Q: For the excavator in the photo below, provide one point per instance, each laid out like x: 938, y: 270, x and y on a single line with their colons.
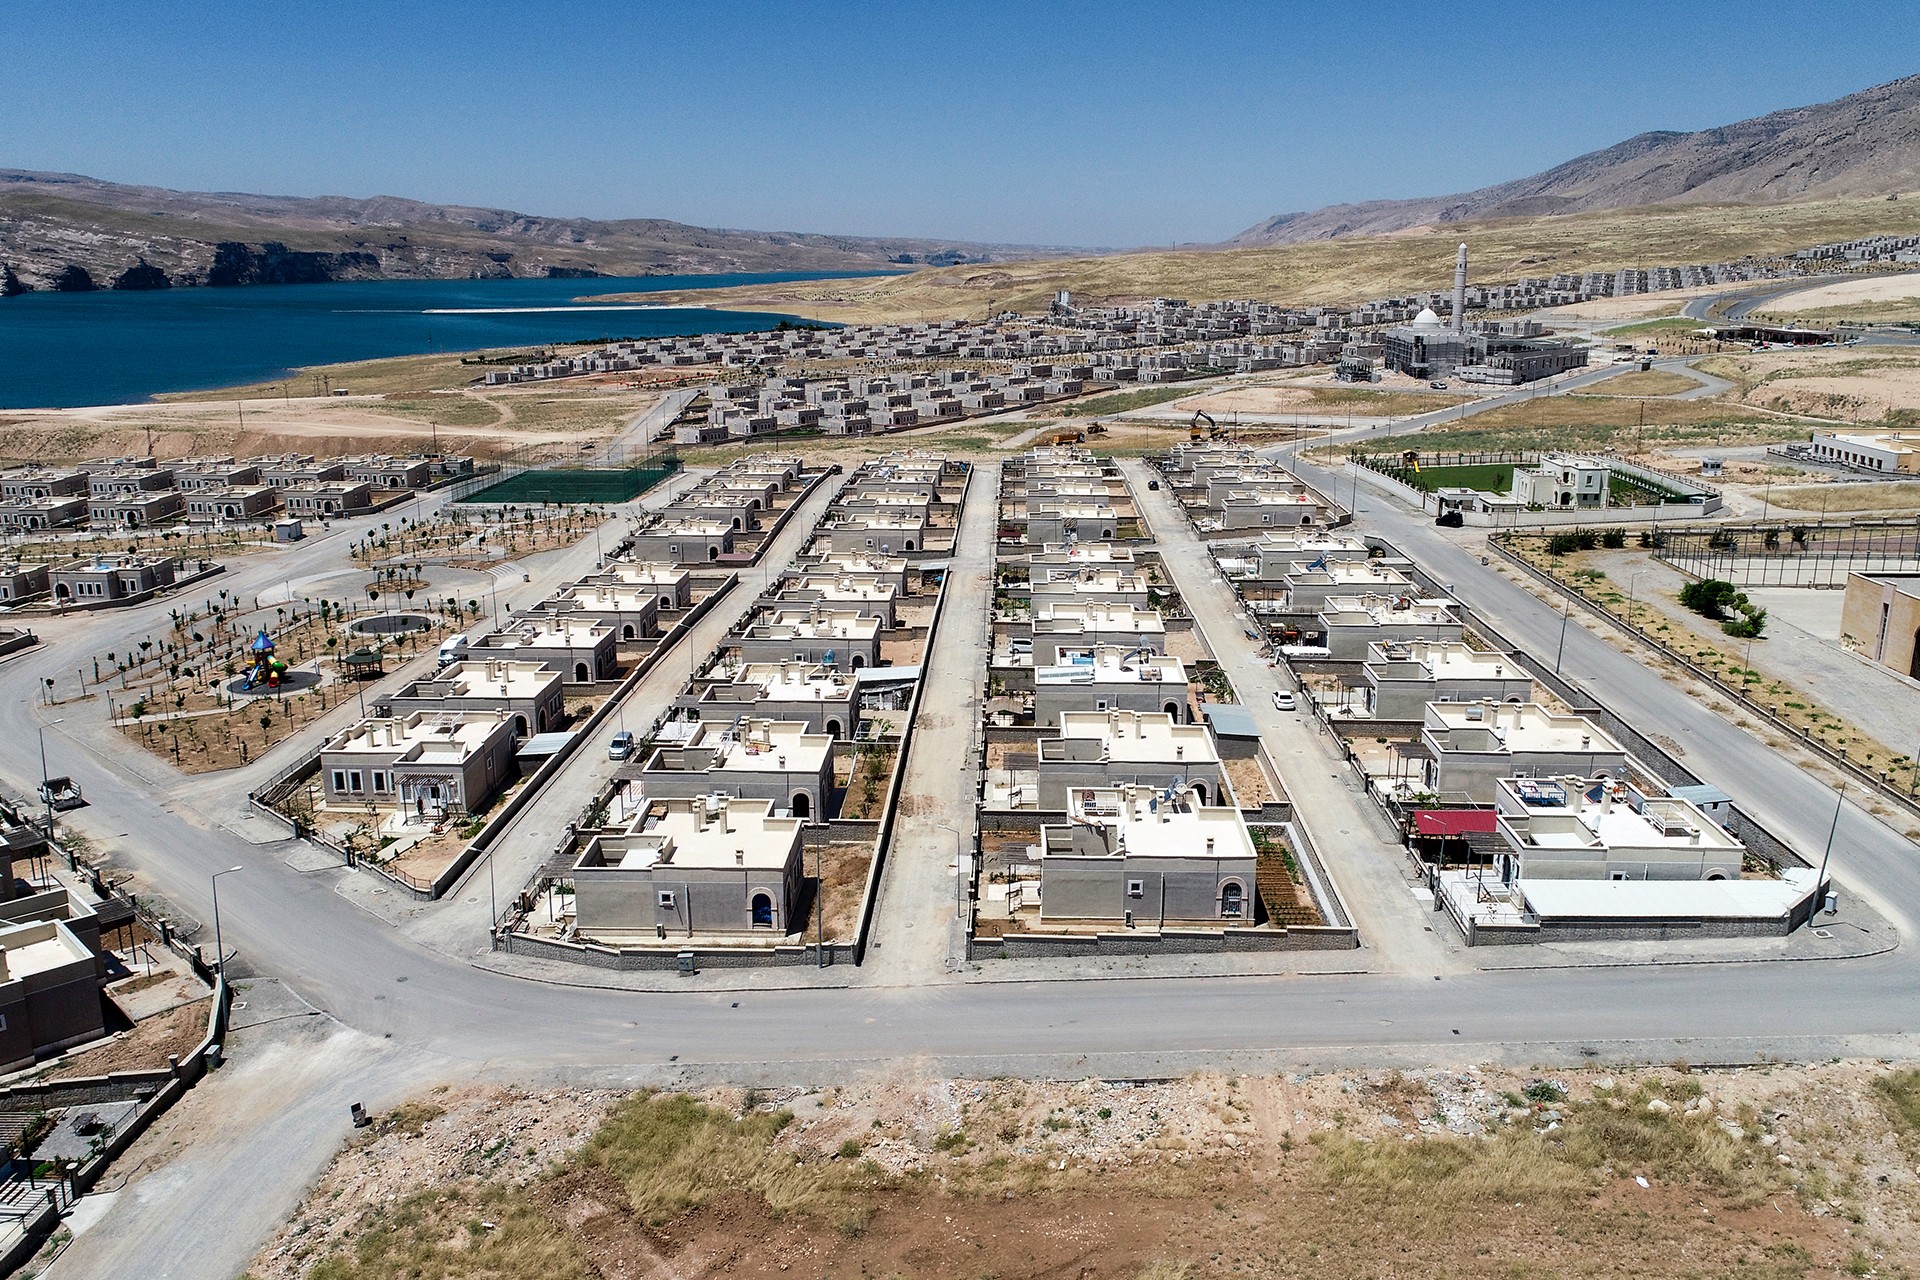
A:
x: 1213, y: 432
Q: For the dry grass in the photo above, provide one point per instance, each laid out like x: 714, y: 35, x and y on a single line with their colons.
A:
x: 1334, y: 270
x: 1894, y: 496
x: 1648, y: 382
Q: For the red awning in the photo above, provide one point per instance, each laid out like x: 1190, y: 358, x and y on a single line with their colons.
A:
x: 1453, y: 822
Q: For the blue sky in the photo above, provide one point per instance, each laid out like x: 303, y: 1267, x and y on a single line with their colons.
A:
x: 1115, y: 124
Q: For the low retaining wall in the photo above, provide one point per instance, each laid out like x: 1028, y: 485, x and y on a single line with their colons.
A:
x: 665, y: 958
x: 1135, y: 942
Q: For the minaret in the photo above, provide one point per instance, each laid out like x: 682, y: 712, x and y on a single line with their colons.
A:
x: 1460, y: 291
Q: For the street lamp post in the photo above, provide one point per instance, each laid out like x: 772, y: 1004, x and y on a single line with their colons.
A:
x: 46, y: 792
x: 1820, y: 880
x: 219, y: 949
x: 1565, y: 608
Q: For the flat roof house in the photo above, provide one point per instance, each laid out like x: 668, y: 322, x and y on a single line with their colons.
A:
x: 671, y: 584
x: 378, y: 471
x: 776, y: 760
x: 1142, y: 856
x: 23, y: 582
x: 582, y: 651
x: 886, y: 533
x: 527, y: 693
x: 863, y: 593
x: 231, y: 502
x: 292, y: 470
x: 683, y: 541
x: 633, y: 612
x: 1403, y: 676
x: 43, y: 513
x: 49, y: 992
x: 845, y: 639
x: 425, y: 765
x: 1059, y: 627
x: 692, y: 865
x: 1110, y: 585
x: 111, y: 579
x: 825, y: 700
x: 1352, y: 623
x: 326, y: 498
x: 1052, y: 520
x: 134, y: 508
x: 1146, y: 748
x: 1109, y: 677
x: 1310, y: 585
x: 1275, y: 554
x: 1471, y: 746
x: 1576, y: 828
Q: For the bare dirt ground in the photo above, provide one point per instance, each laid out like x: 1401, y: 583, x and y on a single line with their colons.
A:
x: 1762, y: 1172
x: 146, y: 1045
x: 1850, y: 294
x: 551, y: 418
x: 1858, y: 384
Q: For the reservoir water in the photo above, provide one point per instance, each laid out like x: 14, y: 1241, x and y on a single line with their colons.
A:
x: 62, y: 349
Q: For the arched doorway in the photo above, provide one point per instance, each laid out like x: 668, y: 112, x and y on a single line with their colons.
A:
x: 1173, y: 711
x: 802, y: 806
x: 736, y: 524
x: 520, y: 726
x: 1232, y: 899
x: 833, y: 728
x: 1200, y: 792
x: 909, y: 544
x: 580, y: 673
x: 713, y: 553
x: 761, y: 910
x: 626, y: 631
x: 61, y: 591
x: 858, y: 662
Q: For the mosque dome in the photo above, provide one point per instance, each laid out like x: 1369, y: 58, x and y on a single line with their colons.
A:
x: 1427, y: 317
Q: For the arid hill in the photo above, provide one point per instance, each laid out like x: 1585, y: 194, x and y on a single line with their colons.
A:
x: 1865, y: 144
x: 65, y: 231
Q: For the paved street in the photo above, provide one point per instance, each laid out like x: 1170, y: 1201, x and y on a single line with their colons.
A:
x: 918, y: 932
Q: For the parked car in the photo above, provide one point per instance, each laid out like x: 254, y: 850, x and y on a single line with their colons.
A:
x: 621, y: 747
x: 1282, y: 700
x: 1153, y: 484
x: 1438, y: 385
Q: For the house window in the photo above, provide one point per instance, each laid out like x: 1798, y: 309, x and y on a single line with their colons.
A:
x: 666, y: 900
x: 1136, y: 888
x: 353, y: 781
x: 339, y: 780
x: 379, y: 780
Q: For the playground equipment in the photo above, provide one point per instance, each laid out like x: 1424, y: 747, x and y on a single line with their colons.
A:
x: 267, y: 669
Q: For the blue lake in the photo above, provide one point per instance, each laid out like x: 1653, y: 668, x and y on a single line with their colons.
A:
x: 62, y: 349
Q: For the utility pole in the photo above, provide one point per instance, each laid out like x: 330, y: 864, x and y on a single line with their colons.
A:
x: 1840, y: 803
x: 1566, y: 607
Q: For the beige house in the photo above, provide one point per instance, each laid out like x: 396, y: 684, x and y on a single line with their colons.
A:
x: 1880, y: 619
x: 688, y: 866
x: 424, y: 765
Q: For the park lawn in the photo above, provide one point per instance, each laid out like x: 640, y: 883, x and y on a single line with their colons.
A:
x: 1490, y: 477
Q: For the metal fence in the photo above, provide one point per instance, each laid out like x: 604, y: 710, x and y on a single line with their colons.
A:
x: 1790, y: 553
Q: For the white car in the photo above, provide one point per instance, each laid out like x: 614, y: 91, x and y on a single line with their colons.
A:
x: 1282, y: 700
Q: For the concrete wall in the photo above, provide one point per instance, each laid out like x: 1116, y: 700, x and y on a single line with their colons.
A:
x: 1096, y: 888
